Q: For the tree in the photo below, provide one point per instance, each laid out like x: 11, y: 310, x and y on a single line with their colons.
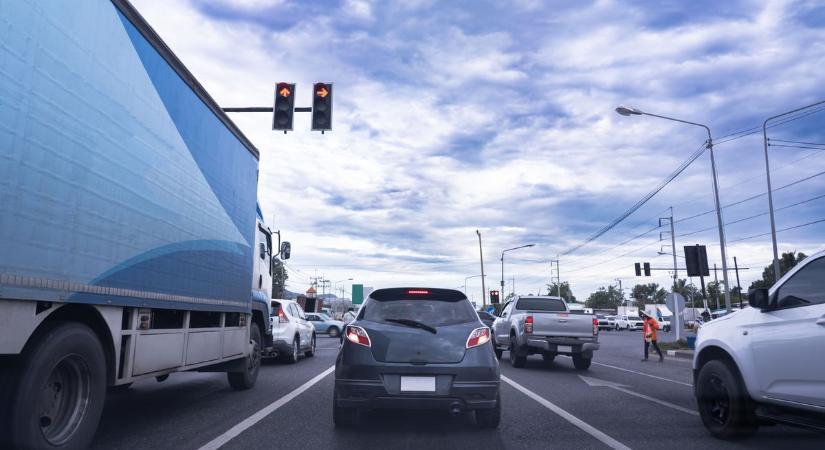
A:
x: 279, y: 277
x: 786, y: 262
x: 609, y: 298
x: 566, y: 293
x: 715, y: 294
x: 649, y: 293
x: 690, y: 292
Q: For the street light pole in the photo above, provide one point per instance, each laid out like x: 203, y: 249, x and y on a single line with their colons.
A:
x: 481, y: 259
x: 627, y: 111
x: 465, y: 282
x: 502, y: 262
x: 777, y: 272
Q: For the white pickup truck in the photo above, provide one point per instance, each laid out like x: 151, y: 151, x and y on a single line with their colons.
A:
x: 766, y: 364
x: 545, y: 325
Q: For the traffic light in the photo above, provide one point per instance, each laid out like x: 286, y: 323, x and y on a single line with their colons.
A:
x: 638, y: 268
x: 494, y: 297
x: 284, y: 106
x: 647, y: 269
x: 322, y: 106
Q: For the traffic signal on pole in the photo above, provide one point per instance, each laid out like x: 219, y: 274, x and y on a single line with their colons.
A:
x: 638, y: 268
x: 284, y: 106
x: 322, y: 106
x: 494, y: 297
x: 647, y: 269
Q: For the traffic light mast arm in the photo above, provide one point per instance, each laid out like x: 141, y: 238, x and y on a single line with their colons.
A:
x: 268, y: 109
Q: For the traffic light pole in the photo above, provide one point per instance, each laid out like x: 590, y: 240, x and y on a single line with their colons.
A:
x: 483, y: 286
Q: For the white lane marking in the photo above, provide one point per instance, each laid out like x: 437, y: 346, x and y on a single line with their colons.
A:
x: 260, y: 415
x: 584, y: 426
x: 595, y: 382
x: 644, y: 374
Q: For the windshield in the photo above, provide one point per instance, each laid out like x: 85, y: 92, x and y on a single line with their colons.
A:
x: 600, y: 316
x: 634, y: 318
x: 430, y: 312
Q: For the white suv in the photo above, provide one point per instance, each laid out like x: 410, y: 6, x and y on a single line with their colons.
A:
x: 292, y: 334
x: 766, y: 363
x: 629, y: 323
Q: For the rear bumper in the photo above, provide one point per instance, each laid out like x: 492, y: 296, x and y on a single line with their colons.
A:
x: 385, y: 394
x: 552, y: 344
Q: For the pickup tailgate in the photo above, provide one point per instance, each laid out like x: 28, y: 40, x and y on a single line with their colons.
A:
x: 561, y: 324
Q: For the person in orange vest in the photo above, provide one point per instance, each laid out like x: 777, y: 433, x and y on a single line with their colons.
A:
x: 649, y: 331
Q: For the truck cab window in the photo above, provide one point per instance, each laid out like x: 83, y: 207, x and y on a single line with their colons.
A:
x: 804, y: 288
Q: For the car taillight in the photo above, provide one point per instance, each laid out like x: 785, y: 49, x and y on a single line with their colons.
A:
x: 528, y: 324
x: 358, y: 335
x: 595, y: 326
x: 418, y: 292
x: 282, y: 318
x: 478, y: 337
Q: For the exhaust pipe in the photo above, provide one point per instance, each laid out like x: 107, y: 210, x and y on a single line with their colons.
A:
x: 455, y: 408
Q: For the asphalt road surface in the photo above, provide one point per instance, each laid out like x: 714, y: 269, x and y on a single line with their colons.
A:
x: 621, y: 402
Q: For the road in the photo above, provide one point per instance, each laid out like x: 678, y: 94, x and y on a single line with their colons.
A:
x: 621, y: 402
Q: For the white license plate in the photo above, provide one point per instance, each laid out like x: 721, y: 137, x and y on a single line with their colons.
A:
x: 417, y: 384
x: 564, y: 348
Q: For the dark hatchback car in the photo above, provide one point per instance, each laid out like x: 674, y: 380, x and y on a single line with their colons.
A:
x: 417, y: 348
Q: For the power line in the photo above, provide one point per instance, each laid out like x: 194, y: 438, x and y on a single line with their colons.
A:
x: 779, y: 231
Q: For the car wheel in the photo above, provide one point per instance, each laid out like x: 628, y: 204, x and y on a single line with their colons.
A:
x: 489, y: 418
x: 517, y: 358
x: 60, y: 390
x: 548, y: 357
x: 581, y: 363
x: 333, y: 332
x: 246, y: 379
x: 311, y: 352
x: 496, y: 349
x: 723, y: 404
x: 292, y: 357
x: 343, y: 417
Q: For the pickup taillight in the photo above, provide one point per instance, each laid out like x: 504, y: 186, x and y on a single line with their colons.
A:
x: 528, y: 324
x: 282, y: 318
x: 595, y: 326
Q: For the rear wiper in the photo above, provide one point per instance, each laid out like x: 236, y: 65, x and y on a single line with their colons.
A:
x: 414, y: 324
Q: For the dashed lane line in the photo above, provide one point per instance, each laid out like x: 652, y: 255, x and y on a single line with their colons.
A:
x: 642, y: 373
x: 584, y: 426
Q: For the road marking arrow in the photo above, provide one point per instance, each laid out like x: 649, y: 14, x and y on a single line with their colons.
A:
x: 595, y: 382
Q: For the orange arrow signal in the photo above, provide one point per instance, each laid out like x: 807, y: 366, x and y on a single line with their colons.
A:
x: 322, y: 92
x: 284, y: 92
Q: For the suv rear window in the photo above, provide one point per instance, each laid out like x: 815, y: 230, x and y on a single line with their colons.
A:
x: 541, y: 304
x: 432, y: 312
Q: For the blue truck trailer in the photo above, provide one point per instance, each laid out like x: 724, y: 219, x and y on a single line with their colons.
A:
x: 130, y: 242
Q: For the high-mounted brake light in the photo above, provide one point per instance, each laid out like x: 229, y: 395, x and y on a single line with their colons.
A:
x: 528, y: 324
x: 418, y: 292
x: 595, y: 326
x: 282, y: 318
x: 479, y: 336
x: 358, y: 335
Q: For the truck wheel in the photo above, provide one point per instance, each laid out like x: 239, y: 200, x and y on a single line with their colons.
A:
x: 723, y: 403
x: 292, y: 357
x: 517, y: 358
x: 245, y: 380
x: 496, y: 348
x: 581, y: 363
x: 311, y: 352
x: 61, y: 390
x: 343, y: 417
x: 489, y: 418
x: 333, y: 332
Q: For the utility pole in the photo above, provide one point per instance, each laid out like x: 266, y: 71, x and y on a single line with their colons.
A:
x: 675, y: 271
x: 558, y: 275
x: 738, y: 286
x: 481, y: 259
x: 716, y: 280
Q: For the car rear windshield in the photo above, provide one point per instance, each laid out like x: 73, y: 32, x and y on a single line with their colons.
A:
x: 634, y: 318
x: 429, y: 311
x: 541, y: 304
x: 600, y: 316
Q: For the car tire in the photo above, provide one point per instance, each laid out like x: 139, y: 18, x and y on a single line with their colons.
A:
x: 343, y: 417
x: 581, y: 363
x: 333, y: 332
x: 517, y: 357
x: 489, y: 418
x: 724, y: 406
x: 498, y: 351
x: 548, y: 357
x: 68, y: 364
x: 292, y: 357
x: 311, y: 352
x: 241, y: 381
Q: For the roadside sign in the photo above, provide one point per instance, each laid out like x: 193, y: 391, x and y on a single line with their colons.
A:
x: 676, y: 304
x: 696, y: 261
x: 491, y: 309
x: 357, y: 294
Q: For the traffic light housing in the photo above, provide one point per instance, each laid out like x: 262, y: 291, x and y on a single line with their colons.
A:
x: 284, y: 107
x: 638, y: 268
x: 647, y: 269
x: 322, y: 107
x: 494, y: 298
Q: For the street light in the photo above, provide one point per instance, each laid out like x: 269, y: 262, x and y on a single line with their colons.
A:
x: 628, y: 111
x: 502, y: 262
x: 465, y: 282
x: 776, y: 270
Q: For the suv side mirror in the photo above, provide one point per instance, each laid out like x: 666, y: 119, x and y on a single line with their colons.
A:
x: 286, y: 249
x: 758, y: 298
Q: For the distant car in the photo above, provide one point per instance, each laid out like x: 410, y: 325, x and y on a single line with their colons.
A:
x: 417, y: 348
x: 292, y: 334
x: 611, y: 320
x: 486, y: 318
x: 605, y: 322
x: 629, y: 323
x: 664, y: 324
x: 324, y: 324
x: 765, y: 364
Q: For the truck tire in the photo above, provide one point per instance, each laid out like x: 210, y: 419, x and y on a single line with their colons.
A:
x: 518, y: 358
x: 61, y: 390
x: 489, y: 418
x: 241, y: 381
x: 723, y: 402
x: 498, y: 351
x: 343, y: 417
x: 292, y: 357
x: 311, y: 352
x: 581, y: 363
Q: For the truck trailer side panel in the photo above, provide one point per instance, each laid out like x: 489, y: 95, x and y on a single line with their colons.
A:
x: 121, y: 182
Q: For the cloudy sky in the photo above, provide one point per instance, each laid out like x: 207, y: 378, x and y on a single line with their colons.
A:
x: 454, y: 116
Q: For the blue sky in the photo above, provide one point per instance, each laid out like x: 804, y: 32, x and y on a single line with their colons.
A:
x: 498, y: 116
